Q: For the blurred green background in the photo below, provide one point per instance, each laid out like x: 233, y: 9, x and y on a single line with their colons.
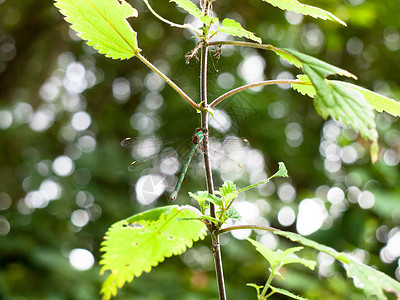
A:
x: 64, y: 178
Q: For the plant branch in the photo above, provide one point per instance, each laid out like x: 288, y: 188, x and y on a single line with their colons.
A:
x: 216, y: 248
x: 169, y: 81
x: 252, y: 85
x: 185, y: 26
x: 244, y: 44
x: 237, y: 227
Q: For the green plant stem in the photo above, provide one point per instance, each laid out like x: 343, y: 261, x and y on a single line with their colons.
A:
x: 270, y: 294
x: 169, y: 81
x: 267, y: 284
x: 254, y: 185
x: 249, y: 86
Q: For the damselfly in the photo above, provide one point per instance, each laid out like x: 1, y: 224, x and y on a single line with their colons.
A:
x: 149, y: 148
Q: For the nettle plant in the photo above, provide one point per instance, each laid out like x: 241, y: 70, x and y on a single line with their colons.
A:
x: 136, y: 244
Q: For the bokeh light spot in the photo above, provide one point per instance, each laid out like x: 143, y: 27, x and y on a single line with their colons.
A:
x: 81, y: 120
x: 81, y: 259
x: 286, y: 216
x: 63, y: 166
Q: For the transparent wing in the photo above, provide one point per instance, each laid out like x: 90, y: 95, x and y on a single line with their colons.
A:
x: 148, y: 142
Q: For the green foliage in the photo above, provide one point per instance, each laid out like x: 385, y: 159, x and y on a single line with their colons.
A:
x: 233, y: 214
x: 228, y: 191
x: 135, y: 245
x: 287, y: 56
x: 341, y: 103
x: 296, y: 6
x: 378, y: 102
x: 234, y: 28
x: 286, y: 293
x: 373, y: 282
x: 138, y: 243
x: 282, y: 171
x: 222, y: 199
x: 277, y: 259
x: 103, y: 24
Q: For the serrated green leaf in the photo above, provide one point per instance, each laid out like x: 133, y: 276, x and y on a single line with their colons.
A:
x: 308, y: 10
x: 201, y: 198
x: 339, y: 102
x: 287, y: 56
x: 282, y: 171
x: 227, y: 188
x: 305, y: 86
x: 233, y: 214
x: 307, y: 242
x: 286, y: 293
x: 322, y: 68
x: 378, y: 102
x: 190, y: 7
x: 234, y: 28
x: 136, y: 244
x: 373, y: 281
x: 103, y: 24
x: 269, y: 255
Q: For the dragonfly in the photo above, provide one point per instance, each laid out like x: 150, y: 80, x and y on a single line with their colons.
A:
x: 152, y: 144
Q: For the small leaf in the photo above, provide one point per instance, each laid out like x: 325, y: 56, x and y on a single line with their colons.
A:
x: 269, y: 255
x: 136, y: 244
x: 201, y: 198
x: 215, y: 200
x: 227, y: 188
x: 339, y: 102
x: 233, y: 214
x: 296, y: 6
x: 374, y: 150
x: 286, y: 293
x: 282, y: 171
x: 234, y: 28
x: 103, y: 24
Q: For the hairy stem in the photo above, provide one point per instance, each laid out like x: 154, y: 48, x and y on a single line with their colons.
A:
x: 185, y: 26
x: 216, y: 249
x: 249, y: 86
x: 237, y: 227
x: 243, y: 44
x: 169, y: 81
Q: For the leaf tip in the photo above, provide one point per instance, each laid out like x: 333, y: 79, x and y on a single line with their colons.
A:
x: 374, y: 150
